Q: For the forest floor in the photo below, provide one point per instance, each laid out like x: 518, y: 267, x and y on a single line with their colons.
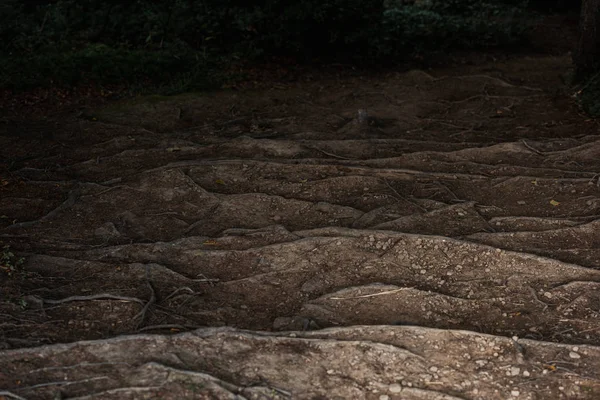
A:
x: 428, y: 234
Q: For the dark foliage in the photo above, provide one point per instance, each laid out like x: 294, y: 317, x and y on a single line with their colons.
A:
x: 185, y: 41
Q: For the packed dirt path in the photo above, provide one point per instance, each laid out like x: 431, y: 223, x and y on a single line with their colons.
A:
x: 418, y: 235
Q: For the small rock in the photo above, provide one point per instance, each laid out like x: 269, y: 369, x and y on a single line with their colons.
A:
x: 574, y: 355
x: 107, y: 231
x: 384, y: 397
x: 526, y: 374
x: 395, y: 388
x: 515, y: 393
x: 514, y: 371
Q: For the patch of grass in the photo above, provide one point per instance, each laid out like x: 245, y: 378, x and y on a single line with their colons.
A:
x: 10, y: 264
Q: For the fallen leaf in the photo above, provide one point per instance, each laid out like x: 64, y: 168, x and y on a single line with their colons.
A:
x: 220, y: 182
x: 554, y: 203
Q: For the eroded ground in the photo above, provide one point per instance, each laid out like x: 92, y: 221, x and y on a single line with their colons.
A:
x: 443, y: 225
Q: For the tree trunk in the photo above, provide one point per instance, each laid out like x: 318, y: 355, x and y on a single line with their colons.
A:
x: 587, y: 53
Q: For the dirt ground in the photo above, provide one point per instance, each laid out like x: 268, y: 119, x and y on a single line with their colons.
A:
x: 427, y: 234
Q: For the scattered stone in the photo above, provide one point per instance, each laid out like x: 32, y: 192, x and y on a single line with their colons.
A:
x: 395, y: 388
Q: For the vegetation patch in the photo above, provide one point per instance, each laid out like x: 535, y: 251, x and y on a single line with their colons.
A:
x: 186, y: 45
x: 10, y: 264
x: 589, y: 95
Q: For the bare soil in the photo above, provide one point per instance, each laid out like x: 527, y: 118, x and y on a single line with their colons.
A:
x: 416, y: 235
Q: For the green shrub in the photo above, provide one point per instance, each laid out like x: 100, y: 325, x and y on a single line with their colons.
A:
x: 437, y: 25
x: 108, y: 41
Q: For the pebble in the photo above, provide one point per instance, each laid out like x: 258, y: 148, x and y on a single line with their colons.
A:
x: 574, y: 355
x: 395, y: 388
x: 384, y: 397
x: 515, y: 393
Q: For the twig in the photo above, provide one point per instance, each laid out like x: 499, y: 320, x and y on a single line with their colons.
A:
x: 125, y: 390
x: 77, y: 366
x: 181, y: 289
x: 491, y: 78
x: 64, y: 383
x: 207, y: 280
x: 44, y: 21
x: 329, y: 154
x: 11, y: 395
x: 106, y: 190
x: 404, y: 198
x: 168, y: 326
x: 141, y: 316
x: 541, y: 153
x: 371, y: 295
x: 447, y: 189
x: 535, y: 296
x: 103, y: 296
x: 264, y: 383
